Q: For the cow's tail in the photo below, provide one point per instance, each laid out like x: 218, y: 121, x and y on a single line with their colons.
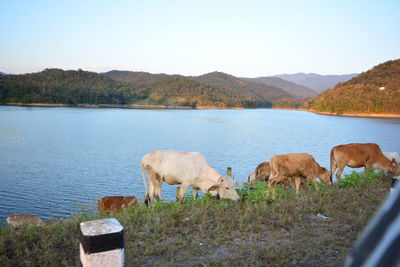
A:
x: 333, y: 163
x: 146, y: 196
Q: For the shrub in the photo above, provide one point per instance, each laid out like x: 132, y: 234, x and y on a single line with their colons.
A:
x: 258, y: 192
x: 356, y: 178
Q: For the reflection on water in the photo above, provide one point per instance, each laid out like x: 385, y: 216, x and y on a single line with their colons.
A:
x: 54, y: 160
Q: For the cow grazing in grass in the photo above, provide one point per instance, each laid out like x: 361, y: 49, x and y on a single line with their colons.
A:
x: 293, y: 167
x: 189, y: 169
x: 261, y: 173
x: 114, y: 204
x: 356, y: 155
x: 393, y: 155
x: 24, y: 219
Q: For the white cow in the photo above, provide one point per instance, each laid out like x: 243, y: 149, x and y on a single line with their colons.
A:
x: 189, y: 169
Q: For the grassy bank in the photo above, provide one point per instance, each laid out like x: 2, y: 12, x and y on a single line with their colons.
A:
x: 274, y: 228
x: 346, y: 114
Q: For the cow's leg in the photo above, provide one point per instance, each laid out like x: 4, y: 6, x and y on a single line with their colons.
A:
x: 313, y: 180
x: 158, y: 185
x: 297, y: 183
x: 277, y: 179
x: 195, y: 192
x: 158, y: 192
x: 289, y: 182
x: 333, y: 167
x: 339, y: 172
x: 272, y: 176
x: 154, y: 185
x: 184, y: 188
x: 151, y: 193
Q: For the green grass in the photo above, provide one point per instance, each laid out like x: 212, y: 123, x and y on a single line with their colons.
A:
x: 266, y: 227
x: 356, y: 178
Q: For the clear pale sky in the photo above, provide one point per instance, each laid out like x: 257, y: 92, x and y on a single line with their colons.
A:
x: 243, y: 38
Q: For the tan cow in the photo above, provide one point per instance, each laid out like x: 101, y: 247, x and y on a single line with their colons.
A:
x: 189, y: 169
x: 261, y: 173
x: 356, y: 155
x: 293, y: 167
x: 114, y: 204
x: 24, y: 219
x: 393, y: 155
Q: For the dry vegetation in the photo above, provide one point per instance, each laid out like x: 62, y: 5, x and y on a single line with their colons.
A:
x: 376, y: 91
x: 265, y: 228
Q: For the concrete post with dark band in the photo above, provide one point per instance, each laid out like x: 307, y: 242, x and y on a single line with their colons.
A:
x: 102, y: 243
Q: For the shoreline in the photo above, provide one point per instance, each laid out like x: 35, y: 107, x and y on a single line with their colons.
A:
x: 138, y: 106
x: 348, y: 114
x: 133, y: 106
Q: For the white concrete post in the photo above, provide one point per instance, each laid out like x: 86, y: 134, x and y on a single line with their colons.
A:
x: 102, y: 243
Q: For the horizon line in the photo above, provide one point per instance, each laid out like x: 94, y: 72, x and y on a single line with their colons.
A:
x: 171, y: 74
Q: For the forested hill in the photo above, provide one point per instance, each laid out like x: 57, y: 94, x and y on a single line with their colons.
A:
x: 374, y: 91
x: 186, y: 92
x: 59, y: 86
x: 83, y: 87
x: 140, y: 78
x: 264, y: 94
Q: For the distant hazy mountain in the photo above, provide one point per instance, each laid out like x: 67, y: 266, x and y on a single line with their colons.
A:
x: 141, y: 78
x: 292, y: 88
x: 2, y: 73
x: 264, y: 94
x: 374, y: 91
x: 317, y: 82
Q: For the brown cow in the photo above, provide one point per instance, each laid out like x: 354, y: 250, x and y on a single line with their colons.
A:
x: 114, y: 204
x: 24, y: 219
x: 261, y: 173
x: 293, y: 167
x: 355, y: 155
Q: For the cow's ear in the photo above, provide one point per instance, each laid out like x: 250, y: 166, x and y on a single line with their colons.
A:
x: 213, y: 187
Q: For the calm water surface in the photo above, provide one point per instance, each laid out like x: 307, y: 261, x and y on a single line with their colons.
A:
x: 54, y: 160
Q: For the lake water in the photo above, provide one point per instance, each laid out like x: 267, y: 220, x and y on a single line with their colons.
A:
x: 54, y: 160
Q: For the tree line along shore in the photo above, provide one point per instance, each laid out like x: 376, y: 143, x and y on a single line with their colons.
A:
x: 376, y: 91
x: 136, y: 106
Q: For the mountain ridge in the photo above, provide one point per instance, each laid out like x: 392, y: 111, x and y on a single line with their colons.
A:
x: 83, y: 87
x: 316, y: 82
x: 136, y: 77
x: 211, y: 89
x: 292, y: 88
x: 264, y: 94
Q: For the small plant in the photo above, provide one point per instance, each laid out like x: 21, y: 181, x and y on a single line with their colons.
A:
x: 360, y: 178
x: 258, y: 192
